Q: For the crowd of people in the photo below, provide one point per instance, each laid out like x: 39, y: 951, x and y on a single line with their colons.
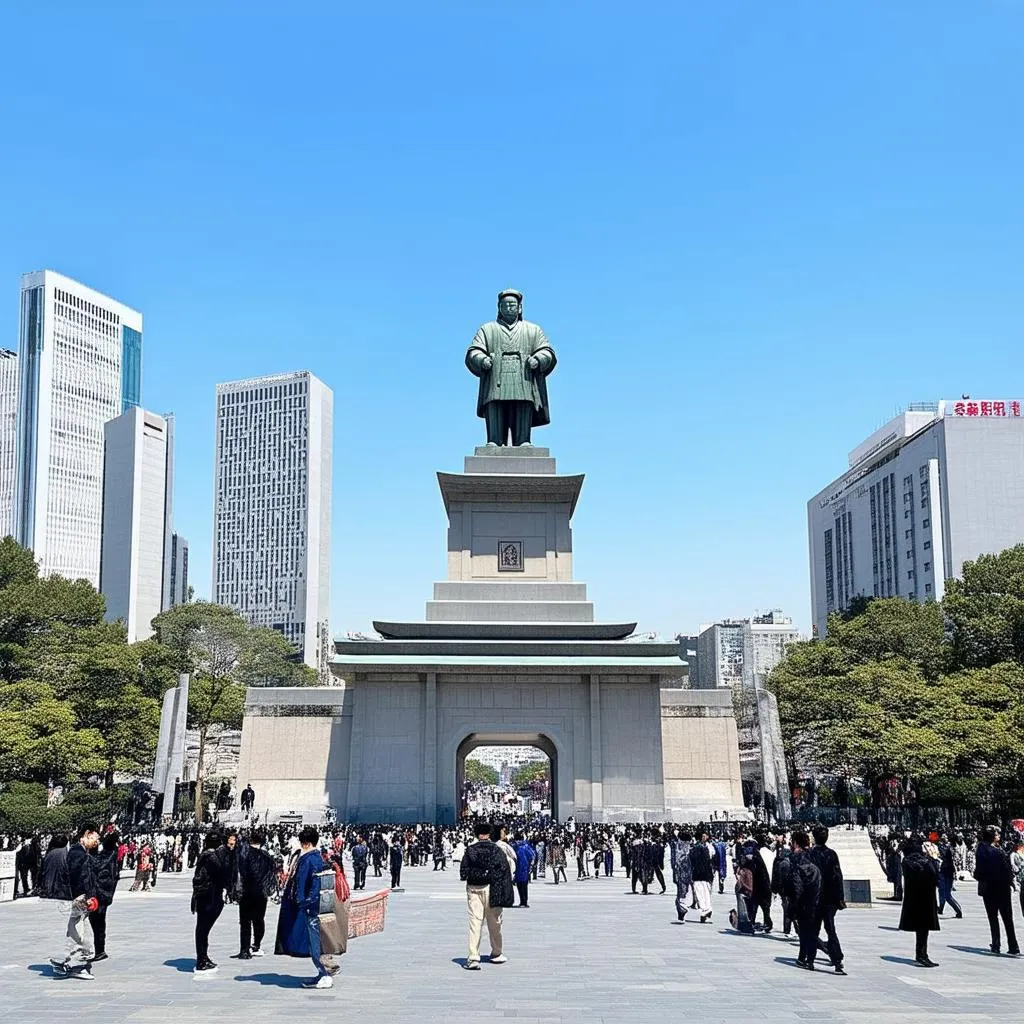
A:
x: 287, y: 864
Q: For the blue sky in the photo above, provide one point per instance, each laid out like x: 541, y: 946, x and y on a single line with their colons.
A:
x: 751, y: 231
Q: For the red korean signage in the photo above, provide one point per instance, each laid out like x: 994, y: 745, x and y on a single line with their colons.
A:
x: 1005, y: 409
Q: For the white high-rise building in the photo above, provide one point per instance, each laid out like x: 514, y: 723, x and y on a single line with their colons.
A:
x: 272, y: 507
x: 135, y: 489
x: 80, y: 365
x: 937, y: 486
x: 8, y: 436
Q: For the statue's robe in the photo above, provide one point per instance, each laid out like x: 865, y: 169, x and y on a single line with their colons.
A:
x: 500, y: 342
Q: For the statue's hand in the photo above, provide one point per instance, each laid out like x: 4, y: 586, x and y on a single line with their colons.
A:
x: 486, y: 363
x: 533, y: 362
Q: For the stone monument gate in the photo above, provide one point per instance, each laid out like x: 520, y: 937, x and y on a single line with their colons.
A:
x: 509, y: 652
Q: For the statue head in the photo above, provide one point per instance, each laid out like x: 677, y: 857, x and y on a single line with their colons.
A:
x: 510, y: 305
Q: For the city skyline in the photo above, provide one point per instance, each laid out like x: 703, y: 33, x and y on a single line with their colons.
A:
x: 744, y: 245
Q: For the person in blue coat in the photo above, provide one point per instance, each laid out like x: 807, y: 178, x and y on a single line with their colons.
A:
x: 525, y: 856
x: 298, y: 926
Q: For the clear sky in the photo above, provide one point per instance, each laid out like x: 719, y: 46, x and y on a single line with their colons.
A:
x: 752, y: 231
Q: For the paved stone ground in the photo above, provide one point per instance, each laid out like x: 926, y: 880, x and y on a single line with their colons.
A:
x: 585, y: 951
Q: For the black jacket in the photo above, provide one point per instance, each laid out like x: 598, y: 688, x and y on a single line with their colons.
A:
x: 208, y: 882
x: 700, y: 864
x: 81, y: 871
x: 827, y: 861
x: 920, y: 883
x: 992, y: 870
x: 256, y: 873
x: 55, y: 881
x: 781, y: 869
x: 484, y: 863
x: 107, y: 876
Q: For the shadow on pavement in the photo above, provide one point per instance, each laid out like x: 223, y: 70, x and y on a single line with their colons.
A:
x: 277, y: 980
x: 980, y: 950
x: 900, y: 960
x: 185, y: 964
x: 46, y: 971
x: 888, y: 928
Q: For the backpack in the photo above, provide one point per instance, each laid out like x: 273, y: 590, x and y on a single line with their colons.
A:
x: 478, y: 872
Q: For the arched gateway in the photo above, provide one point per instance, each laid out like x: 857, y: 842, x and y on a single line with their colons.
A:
x: 542, y: 743
x: 509, y: 647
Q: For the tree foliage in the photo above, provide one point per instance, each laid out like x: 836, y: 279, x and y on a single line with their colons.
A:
x: 78, y: 701
x: 530, y: 772
x: 480, y: 774
x: 929, y: 692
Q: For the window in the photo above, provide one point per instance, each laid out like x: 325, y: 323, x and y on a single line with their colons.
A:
x: 910, y: 575
x: 927, y: 566
x: 922, y: 472
x: 926, y: 523
x: 927, y: 545
x: 908, y: 534
x: 927, y: 588
x: 924, y: 502
x: 906, y: 514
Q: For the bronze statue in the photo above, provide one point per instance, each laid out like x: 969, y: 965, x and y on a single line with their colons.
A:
x: 512, y: 358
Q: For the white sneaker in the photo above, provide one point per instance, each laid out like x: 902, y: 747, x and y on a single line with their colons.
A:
x: 257, y: 952
x: 324, y: 981
x: 499, y: 959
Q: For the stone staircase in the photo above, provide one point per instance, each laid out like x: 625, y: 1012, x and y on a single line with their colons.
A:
x: 858, y: 860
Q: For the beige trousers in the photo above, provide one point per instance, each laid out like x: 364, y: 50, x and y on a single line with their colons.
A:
x: 480, y: 910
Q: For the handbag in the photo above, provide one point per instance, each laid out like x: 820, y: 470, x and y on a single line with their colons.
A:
x: 333, y: 938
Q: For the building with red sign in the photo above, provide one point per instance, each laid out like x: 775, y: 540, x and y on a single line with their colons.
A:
x: 939, y: 485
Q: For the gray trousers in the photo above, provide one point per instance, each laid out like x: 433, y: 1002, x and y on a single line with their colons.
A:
x: 80, y: 936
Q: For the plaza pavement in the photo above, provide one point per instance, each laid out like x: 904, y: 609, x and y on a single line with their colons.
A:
x: 583, y: 952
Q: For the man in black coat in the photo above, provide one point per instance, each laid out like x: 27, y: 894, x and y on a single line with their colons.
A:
x: 82, y: 893
x: 995, y: 878
x: 488, y: 877
x: 802, y: 887
x: 108, y: 874
x: 360, y: 856
x: 920, y: 884
x: 256, y: 880
x: 832, y: 896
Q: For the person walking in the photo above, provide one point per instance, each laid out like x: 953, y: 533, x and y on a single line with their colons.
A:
x: 108, y: 874
x: 921, y: 876
x: 81, y: 891
x: 780, y: 869
x: 947, y: 876
x: 558, y: 862
x: 525, y: 857
x: 702, y: 874
x: 802, y: 887
x: 397, y: 858
x: 208, y: 885
x: 485, y: 870
x: 682, y: 871
x: 257, y: 877
x: 994, y: 877
x: 298, y: 925
x: 360, y: 857
x: 832, y: 896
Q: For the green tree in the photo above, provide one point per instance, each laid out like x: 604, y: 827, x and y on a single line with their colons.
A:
x: 985, y: 608
x: 528, y: 773
x: 479, y: 773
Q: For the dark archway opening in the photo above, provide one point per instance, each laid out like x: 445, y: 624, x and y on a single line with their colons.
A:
x: 509, y: 774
